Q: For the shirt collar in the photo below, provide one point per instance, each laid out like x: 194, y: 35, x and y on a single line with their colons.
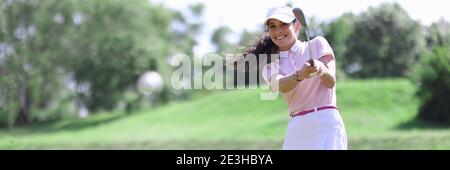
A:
x: 295, y: 49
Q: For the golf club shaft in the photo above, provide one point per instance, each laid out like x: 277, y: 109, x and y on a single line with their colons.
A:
x: 309, y: 47
x: 301, y: 18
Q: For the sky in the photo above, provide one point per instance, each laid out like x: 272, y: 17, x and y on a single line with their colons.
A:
x: 250, y: 14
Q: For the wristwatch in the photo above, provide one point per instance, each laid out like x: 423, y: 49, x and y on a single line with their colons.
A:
x: 296, y: 76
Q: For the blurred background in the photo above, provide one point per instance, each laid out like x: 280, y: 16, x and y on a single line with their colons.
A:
x: 95, y: 74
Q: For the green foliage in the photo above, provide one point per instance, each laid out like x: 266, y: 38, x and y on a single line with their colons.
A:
x: 247, y: 37
x: 31, y: 62
x: 114, y: 44
x: 438, y: 34
x: 338, y: 33
x: 219, y: 39
x: 433, y: 77
x: 8, y: 94
x: 186, y: 26
x: 385, y: 42
x: 56, y: 56
x: 315, y: 28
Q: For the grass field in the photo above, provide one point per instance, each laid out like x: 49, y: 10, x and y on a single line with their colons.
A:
x: 378, y: 114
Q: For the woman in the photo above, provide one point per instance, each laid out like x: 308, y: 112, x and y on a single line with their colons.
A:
x: 308, y: 86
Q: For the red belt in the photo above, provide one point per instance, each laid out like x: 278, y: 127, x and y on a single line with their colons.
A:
x: 313, y: 110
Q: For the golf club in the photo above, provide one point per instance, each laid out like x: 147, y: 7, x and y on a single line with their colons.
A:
x: 301, y: 18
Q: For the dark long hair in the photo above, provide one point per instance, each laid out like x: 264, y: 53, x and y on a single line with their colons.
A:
x: 263, y: 45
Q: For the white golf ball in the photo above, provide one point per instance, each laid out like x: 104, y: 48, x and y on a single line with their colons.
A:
x: 150, y: 82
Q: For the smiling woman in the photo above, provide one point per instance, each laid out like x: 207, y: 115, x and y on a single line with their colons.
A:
x: 315, y: 121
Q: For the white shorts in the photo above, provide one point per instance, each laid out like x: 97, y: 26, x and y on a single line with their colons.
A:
x: 316, y: 131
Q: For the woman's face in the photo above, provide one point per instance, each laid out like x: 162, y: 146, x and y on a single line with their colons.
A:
x: 283, y: 34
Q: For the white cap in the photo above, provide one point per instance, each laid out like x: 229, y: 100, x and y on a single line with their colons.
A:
x: 284, y: 14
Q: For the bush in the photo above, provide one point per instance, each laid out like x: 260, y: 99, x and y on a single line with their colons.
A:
x: 433, y: 78
x: 385, y: 42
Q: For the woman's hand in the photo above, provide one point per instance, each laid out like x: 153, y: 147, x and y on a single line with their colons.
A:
x: 323, y: 69
x: 309, y: 71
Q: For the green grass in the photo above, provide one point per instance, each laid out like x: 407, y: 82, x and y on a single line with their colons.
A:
x: 378, y: 114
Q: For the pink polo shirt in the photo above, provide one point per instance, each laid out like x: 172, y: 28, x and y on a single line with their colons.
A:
x: 309, y: 93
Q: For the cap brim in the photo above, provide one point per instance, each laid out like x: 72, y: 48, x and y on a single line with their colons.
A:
x: 282, y: 17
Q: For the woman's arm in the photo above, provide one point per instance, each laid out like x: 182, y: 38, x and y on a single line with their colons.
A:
x: 327, y: 71
x: 287, y: 83
x: 326, y: 66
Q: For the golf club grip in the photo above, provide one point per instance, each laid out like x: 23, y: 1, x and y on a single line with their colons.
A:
x: 311, y: 62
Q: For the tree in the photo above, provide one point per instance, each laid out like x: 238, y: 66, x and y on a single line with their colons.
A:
x: 385, y: 42
x: 247, y: 38
x: 438, y: 34
x: 186, y: 26
x: 30, y: 40
x: 433, y: 77
x: 338, y: 33
x: 114, y: 43
x: 219, y: 39
x: 56, y: 54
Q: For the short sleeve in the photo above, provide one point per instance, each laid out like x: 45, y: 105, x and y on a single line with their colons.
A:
x: 271, y: 74
x: 323, y: 47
